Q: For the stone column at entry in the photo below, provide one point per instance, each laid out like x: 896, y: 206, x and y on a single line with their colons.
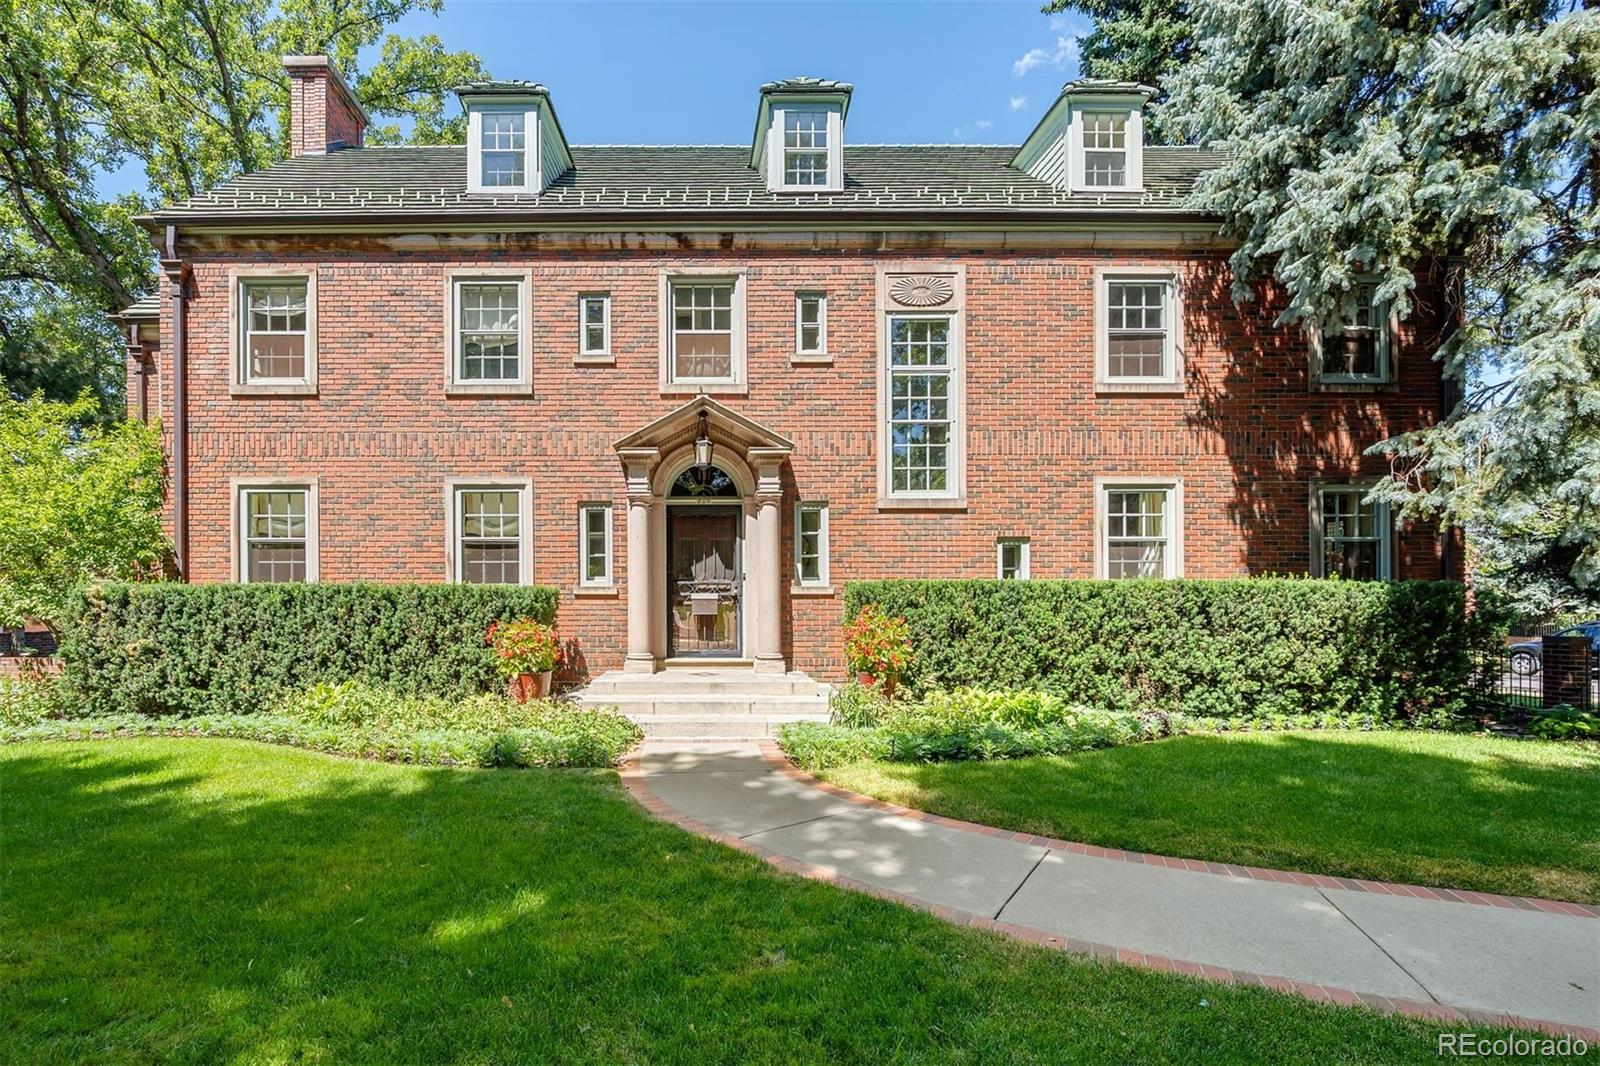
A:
x: 767, y: 558
x: 641, y: 655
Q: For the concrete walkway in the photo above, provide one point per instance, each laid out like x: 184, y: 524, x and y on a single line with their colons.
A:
x: 1491, y: 960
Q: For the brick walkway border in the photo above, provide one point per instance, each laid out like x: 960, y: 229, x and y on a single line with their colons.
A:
x: 634, y: 780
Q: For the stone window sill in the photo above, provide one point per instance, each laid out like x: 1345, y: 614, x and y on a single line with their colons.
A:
x: 1138, y: 388
x: 597, y: 591
x: 302, y: 389
x: 811, y: 590
x: 922, y: 503
x: 457, y: 388
x: 811, y: 359
x: 710, y: 388
x: 595, y: 359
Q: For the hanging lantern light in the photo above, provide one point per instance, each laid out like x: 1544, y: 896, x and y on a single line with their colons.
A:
x: 702, y: 451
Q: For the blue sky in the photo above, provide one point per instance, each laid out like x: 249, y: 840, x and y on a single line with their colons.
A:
x: 664, y: 73
x: 688, y: 73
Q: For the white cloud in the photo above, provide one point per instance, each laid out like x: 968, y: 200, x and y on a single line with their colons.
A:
x: 983, y: 123
x: 1018, y: 103
x: 1065, y: 50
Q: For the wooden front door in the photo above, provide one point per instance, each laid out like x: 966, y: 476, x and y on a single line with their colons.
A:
x: 704, y: 582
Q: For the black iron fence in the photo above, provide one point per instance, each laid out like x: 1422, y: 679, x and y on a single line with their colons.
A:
x: 1517, y: 682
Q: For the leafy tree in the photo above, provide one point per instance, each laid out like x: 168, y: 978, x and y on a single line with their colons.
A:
x: 190, y: 91
x: 1366, y: 138
x: 78, y: 499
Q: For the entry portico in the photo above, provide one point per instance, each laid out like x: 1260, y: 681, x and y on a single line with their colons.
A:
x: 731, y: 590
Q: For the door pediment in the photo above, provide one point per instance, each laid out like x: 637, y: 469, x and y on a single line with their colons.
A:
x: 727, y: 427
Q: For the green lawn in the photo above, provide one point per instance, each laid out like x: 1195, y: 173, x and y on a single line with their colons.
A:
x: 1496, y: 815
x: 210, y: 900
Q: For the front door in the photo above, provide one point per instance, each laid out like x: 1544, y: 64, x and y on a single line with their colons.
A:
x: 703, y: 581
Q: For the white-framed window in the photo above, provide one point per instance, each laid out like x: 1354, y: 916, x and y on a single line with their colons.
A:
x: 488, y: 332
x: 503, y: 148
x: 489, y: 533
x: 276, y: 343
x: 922, y: 418
x: 1357, y: 351
x: 1353, y: 536
x: 594, y: 324
x: 811, y: 323
x: 1105, y: 149
x: 805, y: 149
x: 1140, y: 528
x: 704, y: 333
x: 276, y: 525
x: 1012, y: 558
x: 594, y: 545
x: 1138, y: 330
x: 811, y: 544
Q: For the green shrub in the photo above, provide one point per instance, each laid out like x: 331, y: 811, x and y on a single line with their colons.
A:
x: 1564, y: 722
x: 854, y: 704
x: 353, y: 704
x: 31, y: 698
x: 560, y: 735
x: 174, y: 649
x: 1252, y: 647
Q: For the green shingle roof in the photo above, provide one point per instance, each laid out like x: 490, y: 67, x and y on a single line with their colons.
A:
x: 381, y: 185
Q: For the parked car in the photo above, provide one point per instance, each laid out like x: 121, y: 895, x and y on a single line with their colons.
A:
x: 1527, y: 656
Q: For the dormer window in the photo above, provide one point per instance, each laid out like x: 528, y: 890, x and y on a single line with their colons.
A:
x: 1091, y: 140
x: 514, y: 142
x: 1105, y: 149
x: 504, y: 144
x: 800, y: 134
x: 805, y: 148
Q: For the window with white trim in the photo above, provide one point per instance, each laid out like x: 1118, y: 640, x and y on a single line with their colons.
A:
x: 1011, y: 557
x: 275, y: 538
x: 811, y: 544
x: 1105, y: 148
x: 811, y: 323
x: 921, y: 417
x: 594, y: 316
x: 503, y: 147
x: 275, y: 333
x: 594, y: 531
x: 702, y: 338
x: 1139, y: 327
x: 489, y: 535
x: 805, y: 148
x: 1354, y: 533
x: 488, y: 331
x: 1357, y: 350
x: 1138, y: 531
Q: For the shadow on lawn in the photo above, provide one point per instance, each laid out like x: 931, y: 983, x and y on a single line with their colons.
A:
x: 1479, y: 813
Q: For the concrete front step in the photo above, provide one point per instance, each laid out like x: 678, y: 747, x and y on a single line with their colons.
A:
x: 713, y: 705
x: 710, y: 702
x: 720, y: 727
x: 703, y: 682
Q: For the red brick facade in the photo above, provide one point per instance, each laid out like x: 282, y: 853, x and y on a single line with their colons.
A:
x: 1247, y: 436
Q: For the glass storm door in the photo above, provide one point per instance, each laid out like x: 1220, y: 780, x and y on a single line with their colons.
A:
x: 703, y: 581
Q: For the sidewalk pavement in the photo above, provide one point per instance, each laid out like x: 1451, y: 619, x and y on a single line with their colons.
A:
x: 1501, y: 962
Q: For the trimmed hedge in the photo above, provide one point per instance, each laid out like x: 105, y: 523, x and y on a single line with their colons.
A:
x: 174, y: 649
x: 1254, y: 647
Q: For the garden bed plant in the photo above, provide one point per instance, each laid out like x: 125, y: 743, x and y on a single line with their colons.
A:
x: 353, y: 719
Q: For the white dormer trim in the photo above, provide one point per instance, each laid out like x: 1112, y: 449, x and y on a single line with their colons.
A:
x: 546, y: 157
x: 1133, y: 116
x: 1054, y: 152
x: 767, y: 154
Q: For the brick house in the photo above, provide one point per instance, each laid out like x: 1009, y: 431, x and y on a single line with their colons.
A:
x: 697, y: 388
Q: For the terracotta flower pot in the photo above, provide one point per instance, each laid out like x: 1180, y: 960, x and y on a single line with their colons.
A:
x: 525, y: 687
x: 886, y: 682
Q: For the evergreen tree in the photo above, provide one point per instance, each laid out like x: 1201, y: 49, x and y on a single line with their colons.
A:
x: 1367, y: 138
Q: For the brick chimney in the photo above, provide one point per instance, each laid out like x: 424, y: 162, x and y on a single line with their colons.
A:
x: 324, y: 114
